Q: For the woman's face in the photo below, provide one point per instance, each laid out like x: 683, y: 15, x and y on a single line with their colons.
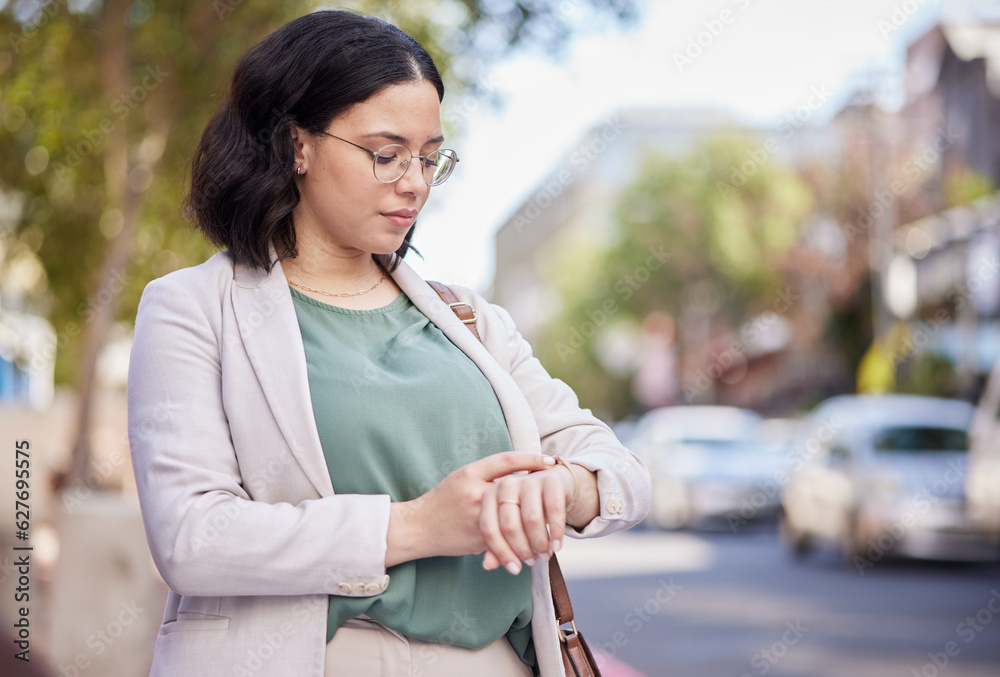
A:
x: 343, y: 208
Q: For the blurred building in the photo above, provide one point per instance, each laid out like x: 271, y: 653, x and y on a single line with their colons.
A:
x: 953, y: 99
x: 955, y: 260
x: 26, y: 369
x: 953, y: 84
x: 575, y: 202
x: 944, y: 252
x: 904, y: 247
x: 576, y: 198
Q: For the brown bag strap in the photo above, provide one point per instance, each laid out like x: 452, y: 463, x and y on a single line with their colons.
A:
x: 464, y: 312
x: 560, y: 595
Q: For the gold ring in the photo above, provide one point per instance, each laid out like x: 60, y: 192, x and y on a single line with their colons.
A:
x: 509, y: 501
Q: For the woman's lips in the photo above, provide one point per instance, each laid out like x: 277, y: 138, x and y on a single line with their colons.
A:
x: 402, y: 218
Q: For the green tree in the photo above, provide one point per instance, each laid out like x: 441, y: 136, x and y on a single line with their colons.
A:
x: 101, y: 104
x: 722, y: 223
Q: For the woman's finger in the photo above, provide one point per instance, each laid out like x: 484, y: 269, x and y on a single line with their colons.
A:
x: 505, y: 463
x: 510, y: 501
x: 533, y: 516
x: 490, y: 561
x: 496, y: 542
x: 554, y: 499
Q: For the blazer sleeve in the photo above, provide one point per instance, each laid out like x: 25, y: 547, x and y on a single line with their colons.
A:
x: 574, y: 433
x: 206, y: 535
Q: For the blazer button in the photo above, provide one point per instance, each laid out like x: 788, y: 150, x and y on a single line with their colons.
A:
x: 615, y: 506
x: 385, y: 582
x: 372, y: 589
x: 344, y: 588
x: 359, y: 589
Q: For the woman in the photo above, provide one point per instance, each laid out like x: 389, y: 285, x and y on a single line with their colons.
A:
x: 322, y: 448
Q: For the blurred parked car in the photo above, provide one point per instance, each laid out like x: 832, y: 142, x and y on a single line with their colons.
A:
x: 706, y: 462
x: 982, y: 484
x: 886, y: 477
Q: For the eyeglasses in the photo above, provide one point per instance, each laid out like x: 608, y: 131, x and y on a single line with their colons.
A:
x: 389, y: 163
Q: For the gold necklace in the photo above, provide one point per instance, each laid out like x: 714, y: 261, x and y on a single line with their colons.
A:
x: 326, y: 293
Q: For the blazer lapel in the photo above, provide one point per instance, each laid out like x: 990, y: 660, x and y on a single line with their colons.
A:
x: 520, y: 419
x: 269, y: 329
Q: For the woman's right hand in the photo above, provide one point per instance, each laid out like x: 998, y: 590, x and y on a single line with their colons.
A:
x: 445, y: 520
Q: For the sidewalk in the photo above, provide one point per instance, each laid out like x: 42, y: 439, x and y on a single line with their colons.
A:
x: 88, y: 550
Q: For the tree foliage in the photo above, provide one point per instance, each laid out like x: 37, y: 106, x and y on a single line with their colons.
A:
x: 101, y: 104
x: 101, y: 110
x: 84, y: 81
x: 695, y: 237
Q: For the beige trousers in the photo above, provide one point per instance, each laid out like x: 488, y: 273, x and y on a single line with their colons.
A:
x: 365, y: 648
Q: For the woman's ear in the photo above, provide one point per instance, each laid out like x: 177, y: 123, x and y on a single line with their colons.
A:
x: 301, y: 143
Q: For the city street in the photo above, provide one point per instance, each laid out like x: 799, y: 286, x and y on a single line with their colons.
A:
x: 695, y: 604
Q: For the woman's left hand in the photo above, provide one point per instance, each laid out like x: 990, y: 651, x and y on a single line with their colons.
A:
x: 523, y: 517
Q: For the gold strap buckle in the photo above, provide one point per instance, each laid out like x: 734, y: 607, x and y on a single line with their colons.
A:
x: 472, y: 319
x: 562, y: 634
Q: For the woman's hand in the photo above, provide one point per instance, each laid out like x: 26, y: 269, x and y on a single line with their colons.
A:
x: 523, y: 517
x: 446, y: 520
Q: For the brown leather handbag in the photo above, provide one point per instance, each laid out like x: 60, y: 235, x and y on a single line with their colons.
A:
x: 577, y: 659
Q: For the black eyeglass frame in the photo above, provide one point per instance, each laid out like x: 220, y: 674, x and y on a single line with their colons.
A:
x: 453, y: 156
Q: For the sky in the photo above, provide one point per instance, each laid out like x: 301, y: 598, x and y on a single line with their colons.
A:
x: 758, y: 60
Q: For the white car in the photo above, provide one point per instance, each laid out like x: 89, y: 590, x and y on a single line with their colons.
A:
x: 706, y: 462
x: 887, y: 477
x: 982, y: 484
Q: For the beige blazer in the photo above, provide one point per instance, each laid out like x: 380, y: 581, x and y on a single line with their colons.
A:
x: 236, y: 498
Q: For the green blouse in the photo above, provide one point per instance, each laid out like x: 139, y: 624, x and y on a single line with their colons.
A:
x: 398, y: 407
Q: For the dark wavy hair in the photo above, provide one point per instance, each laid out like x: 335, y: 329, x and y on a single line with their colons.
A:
x: 306, y: 73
